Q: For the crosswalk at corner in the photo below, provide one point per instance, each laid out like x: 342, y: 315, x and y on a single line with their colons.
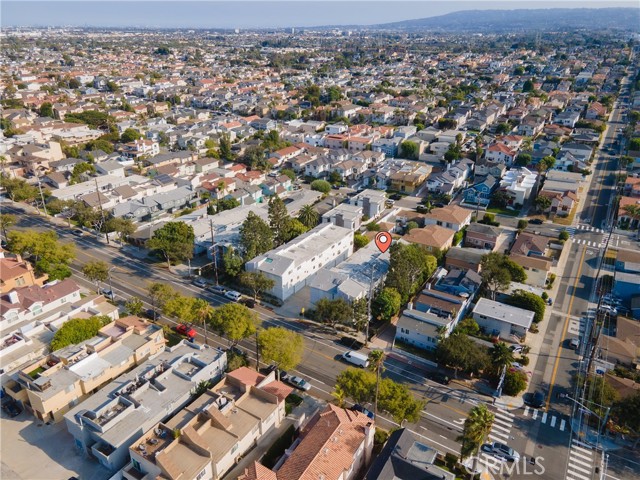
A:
x: 615, y: 239
x: 580, y: 464
x: 551, y: 420
x: 502, y: 424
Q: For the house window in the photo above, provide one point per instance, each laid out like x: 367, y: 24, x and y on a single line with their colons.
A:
x: 201, y: 474
x: 20, y: 281
x: 234, y: 449
x: 136, y: 465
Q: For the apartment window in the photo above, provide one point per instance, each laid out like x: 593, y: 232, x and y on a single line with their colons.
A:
x: 234, y: 449
x: 20, y: 281
x: 136, y: 465
x: 201, y: 474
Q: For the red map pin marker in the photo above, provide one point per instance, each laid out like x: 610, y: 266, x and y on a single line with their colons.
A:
x: 383, y: 241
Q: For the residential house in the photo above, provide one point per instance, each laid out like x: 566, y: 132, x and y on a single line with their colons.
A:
x: 450, y: 216
x: 16, y: 272
x: 457, y: 281
x: 422, y: 329
x: 441, y: 303
x: 371, y: 201
x: 263, y: 124
x: 352, y: 278
x: 631, y: 186
x: 561, y: 203
x: 567, y: 118
x: 406, y: 457
x: 595, y: 111
x: 410, y: 178
x: 344, y: 215
x: 623, y: 216
x: 292, y: 265
x: 529, y: 251
x: 215, y: 431
x: 502, y: 321
x: 580, y: 151
x: 465, y: 258
x: 432, y: 237
x: 58, y: 382
x: 486, y: 237
x: 501, y: 153
x: 112, y: 419
x: 479, y: 194
x: 389, y: 146
x: 140, y: 148
x: 557, y: 181
x: 623, y: 347
x: 154, y: 205
x: 519, y: 183
x: 336, y: 444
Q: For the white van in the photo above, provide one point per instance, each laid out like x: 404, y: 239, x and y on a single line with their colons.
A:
x: 232, y: 295
x: 356, y: 359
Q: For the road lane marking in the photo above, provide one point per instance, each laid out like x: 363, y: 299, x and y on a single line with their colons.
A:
x: 526, y: 412
x: 535, y: 414
x: 578, y: 465
x: 562, y: 425
x: 544, y: 417
x: 457, y: 427
x: 553, y: 422
x: 500, y: 427
x: 579, y: 455
x: 564, y: 329
x: 576, y: 476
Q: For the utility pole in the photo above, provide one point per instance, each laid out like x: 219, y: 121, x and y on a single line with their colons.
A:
x: 366, y: 335
x: 44, y: 205
x: 214, y: 252
x: 101, y: 209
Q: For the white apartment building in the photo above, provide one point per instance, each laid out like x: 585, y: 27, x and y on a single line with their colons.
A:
x: 292, y: 265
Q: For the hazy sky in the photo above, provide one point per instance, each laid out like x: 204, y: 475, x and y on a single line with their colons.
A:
x: 251, y: 14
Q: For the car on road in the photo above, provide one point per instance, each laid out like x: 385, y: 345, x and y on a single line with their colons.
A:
x: 501, y: 450
x: 439, y: 378
x: 11, y: 408
x: 77, y: 232
x: 107, y: 292
x: 298, y: 382
x: 536, y: 221
x: 359, y: 408
x: 608, y: 309
x: 152, y: 314
x: 247, y: 302
x: 233, y: 295
x: 218, y: 289
x: 574, y: 343
x: 199, y: 282
x: 535, y: 400
x: 186, y: 330
x: 356, y: 358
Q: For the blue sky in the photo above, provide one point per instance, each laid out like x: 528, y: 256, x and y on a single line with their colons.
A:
x: 250, y: 14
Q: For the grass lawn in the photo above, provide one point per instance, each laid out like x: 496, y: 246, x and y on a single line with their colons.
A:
x: 568, y: 220
x: 503, y: 211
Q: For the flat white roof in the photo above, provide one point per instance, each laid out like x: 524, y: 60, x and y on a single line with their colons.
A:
x: 504, y: 313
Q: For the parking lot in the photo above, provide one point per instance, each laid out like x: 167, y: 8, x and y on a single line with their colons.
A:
x: 33, y: 451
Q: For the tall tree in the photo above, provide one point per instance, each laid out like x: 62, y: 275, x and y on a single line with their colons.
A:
x: 203, y: 312
x: 232, y: 262
x: 501, y: 357
x: 7, y: 221
x: 387, y: 304
x: 124, y: 227
x: 279, y: 220
x: 495, y: 274
x: 281, y: 346
x: 528, y: 301
x: 97, y: 271
x: 134, y: 306
x: 180, y: 307
x: 257, y: 282
x: 461, y: 353
x: 409, y: 267
x: 234, y: 321
x: 174, y: 240
x: 256, y: 237
x: 159, y: 293
x: 308, y: 216
x: 49, y: 255
x: 376, y: 364
x: 333, y: 311
x: 225, y: 147
x: 475, y: 430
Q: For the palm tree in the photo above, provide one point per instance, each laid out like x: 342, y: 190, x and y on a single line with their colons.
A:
x: 376, y: 363
x: 308, y: 216
x: 501, y: 357
x: 475, y: 430
x: 203, y: 311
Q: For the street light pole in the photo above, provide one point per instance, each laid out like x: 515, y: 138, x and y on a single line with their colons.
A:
x: 214, y: 252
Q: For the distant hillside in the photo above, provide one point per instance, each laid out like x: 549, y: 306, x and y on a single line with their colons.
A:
x: 525, y: 20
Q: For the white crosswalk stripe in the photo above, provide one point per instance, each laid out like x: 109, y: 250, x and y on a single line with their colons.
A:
x: 580, y: 462
x: 526, y: 412
x: 562, y: 425
x: 553, y: 421
x: 544, y: 417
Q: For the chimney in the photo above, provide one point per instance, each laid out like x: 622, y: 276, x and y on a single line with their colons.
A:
x: 13, y: 297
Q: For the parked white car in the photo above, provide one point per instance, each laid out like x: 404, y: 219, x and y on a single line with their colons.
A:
x: 233, y: 295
